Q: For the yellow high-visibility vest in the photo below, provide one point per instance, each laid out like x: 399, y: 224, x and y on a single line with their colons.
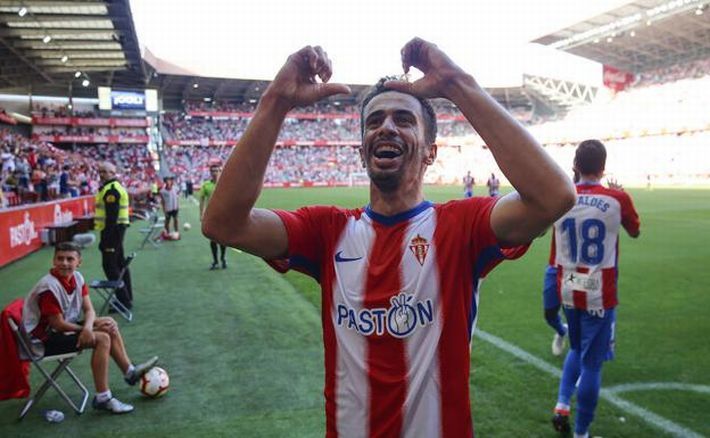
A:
x: 100, y: 213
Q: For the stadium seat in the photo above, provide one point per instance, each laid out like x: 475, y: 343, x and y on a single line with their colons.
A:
x: 107, y: 290
x: 33, y: 350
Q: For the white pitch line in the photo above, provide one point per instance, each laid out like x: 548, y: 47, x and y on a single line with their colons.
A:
x: 609, y: 395
x: 654, y: 386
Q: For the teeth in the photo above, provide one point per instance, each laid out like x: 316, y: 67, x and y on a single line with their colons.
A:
x: 388, y: 148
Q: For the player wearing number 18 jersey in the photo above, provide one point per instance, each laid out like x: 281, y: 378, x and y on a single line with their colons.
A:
x: 585, y: 252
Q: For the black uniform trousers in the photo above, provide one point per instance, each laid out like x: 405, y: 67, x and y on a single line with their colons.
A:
x: 114, y: 262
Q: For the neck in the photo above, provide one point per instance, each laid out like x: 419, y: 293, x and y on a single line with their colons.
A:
x: 56, y: 273
x: 406, y: 197
x: 589, y: 179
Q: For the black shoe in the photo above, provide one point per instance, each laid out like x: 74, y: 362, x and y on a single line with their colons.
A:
x: 224, y: 264
x: 561, y: 424
x: 134, y: 376
x: 214, y: 266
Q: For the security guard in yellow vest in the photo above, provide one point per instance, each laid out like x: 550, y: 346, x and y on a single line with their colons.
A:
x: 111, y: 219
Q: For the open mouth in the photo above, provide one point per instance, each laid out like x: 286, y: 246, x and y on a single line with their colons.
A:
x: 387, y: 151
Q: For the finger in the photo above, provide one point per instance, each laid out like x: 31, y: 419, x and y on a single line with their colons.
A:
x: 326, y: 90
x: 322, y: 65
x: 328, y: 73
x: 401, y: 86
x: 410, y: 53
x: 405, y: 66
x: 306, y: 58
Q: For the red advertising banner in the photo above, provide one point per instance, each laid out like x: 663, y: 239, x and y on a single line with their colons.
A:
x: 306, y: 184
x: 207, y: 142
x: 92, y: 121
x: 617, y: 79
x: 20, y: 227
x: 136, y: 139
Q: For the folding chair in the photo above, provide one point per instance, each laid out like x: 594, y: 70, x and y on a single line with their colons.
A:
x: 107, y: 290
x: 156, y: 224
x: 33, y: 350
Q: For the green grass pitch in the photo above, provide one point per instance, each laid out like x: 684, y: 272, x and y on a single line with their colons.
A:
x: 243, y: 345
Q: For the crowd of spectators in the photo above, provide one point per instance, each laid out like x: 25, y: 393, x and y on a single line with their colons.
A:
x: 337, y: 123
x: 688, y: 70
x: 61, y: 110
x: 34, y: 171
x: 88, y: 130
x: 288, y: 164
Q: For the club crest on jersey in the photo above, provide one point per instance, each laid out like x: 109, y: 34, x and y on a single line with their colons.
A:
x: 399, y: 320
x: 419, y: 247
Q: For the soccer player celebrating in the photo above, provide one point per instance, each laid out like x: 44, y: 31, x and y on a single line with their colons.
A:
x: 398, y: 277
x: 585, y: 253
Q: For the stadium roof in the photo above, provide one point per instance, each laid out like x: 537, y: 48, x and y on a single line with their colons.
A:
x: 176, y: 84
x: 44, y: 43
x: 640, y: 36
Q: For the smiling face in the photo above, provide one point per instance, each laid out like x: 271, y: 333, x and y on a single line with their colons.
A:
x: 66, y: 262
x: 394, y: 148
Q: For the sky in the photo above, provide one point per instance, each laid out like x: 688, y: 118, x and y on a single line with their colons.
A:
x: 252, y: 39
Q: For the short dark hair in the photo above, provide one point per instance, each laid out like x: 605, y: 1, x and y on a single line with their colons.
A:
x: 67, y: 246
x: 427, y: 110
x: 590, y: 157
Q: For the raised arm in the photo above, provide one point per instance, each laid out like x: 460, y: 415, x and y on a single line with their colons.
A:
x: 230, y: 217
x: 544, y: 192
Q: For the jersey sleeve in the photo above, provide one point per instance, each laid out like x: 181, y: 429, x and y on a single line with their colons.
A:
x: 306, y: 228
x: 85, y: 290
x: 629, y: 217
x: 487, y: 250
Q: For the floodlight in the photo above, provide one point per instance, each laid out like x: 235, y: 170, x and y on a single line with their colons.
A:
x: 46, y: 39
x: 195, y: 85
x: 77, y: 74
x: 22, y: 12
x: 65, y: 58
x: 85, y: 83
x: 632, y: 33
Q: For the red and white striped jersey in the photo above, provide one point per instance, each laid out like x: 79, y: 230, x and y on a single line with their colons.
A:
x: 585, y: 246
x: 399, y: 299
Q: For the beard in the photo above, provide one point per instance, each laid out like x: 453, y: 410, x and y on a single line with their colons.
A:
x: 386, y: 182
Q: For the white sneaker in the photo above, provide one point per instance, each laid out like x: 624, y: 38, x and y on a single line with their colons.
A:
x: 558, y: 343
x: 113, y: 405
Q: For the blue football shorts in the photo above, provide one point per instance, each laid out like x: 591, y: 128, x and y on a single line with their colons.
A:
x: 592, y: 335
x: 550, y: 299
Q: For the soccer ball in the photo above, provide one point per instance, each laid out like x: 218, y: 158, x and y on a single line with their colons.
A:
x: 186, y: 226
x: 155, y: 383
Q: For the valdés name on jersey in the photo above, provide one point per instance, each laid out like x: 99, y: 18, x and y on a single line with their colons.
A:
x: 592, y: 201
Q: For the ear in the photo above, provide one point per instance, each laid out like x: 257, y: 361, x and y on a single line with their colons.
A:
x: 431, y: 154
